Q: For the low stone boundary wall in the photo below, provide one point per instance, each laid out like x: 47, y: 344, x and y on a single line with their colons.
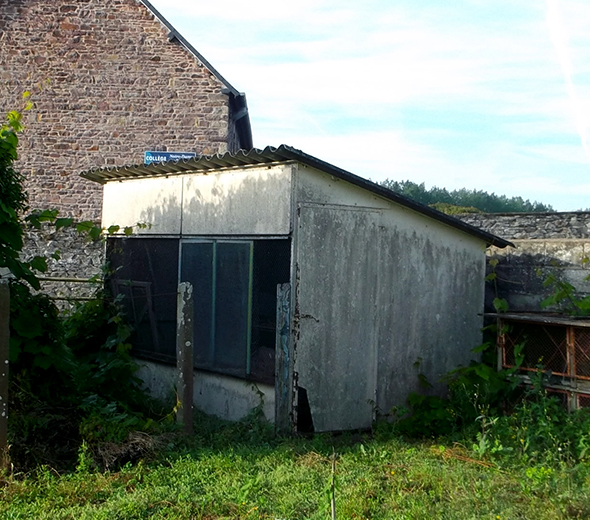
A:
x: 546, y: 243
x: 79, y: 259
x: 516, y: 226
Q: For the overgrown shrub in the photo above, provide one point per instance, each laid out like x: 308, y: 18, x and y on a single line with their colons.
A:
x: 71, y: 377
x: 476, y: 390
x: 498, y: 416
x: 72, y: 381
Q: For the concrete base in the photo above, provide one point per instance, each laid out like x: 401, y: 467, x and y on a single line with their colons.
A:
x: 215, y: 394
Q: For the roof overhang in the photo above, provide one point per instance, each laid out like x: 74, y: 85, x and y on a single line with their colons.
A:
x: 270, y: 155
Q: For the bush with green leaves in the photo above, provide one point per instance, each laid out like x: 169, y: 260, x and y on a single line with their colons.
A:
x: 474, y: 391
x: 71, y: 376
x: 498, y: 416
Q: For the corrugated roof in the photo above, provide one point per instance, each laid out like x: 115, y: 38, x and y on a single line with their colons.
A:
x: 272, y: 155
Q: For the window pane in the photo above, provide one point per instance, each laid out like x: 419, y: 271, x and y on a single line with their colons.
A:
x: 197, y: 268
x: 232, y: 297
x: 145, y: 272
x: 271, y: 267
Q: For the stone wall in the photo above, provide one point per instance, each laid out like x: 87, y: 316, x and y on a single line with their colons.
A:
x: 107, y: 84
x: 79, y: 259
x: 546, y: 243
x: 518, y: 226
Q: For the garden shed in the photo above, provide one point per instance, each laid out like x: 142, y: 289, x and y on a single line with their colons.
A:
x: 319, y: 295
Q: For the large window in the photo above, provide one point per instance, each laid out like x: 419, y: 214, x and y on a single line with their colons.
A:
x: 145, y: 274
x: 221, y: 275
x: 234, y: 287
x: 235, y: 302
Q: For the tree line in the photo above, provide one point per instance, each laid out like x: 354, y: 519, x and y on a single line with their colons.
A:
x: 464, y: 200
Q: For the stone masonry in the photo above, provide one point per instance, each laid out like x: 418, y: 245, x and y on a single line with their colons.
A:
x: 519, y: 226
x: 109, y: 80
x: 546, y: 243
x: 79, y: 261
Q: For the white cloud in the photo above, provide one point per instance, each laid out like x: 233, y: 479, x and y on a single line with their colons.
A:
x: 560, y: 41
x: 467, y: 93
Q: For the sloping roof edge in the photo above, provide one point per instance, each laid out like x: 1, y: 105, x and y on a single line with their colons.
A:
x: 239, y: 98
x: 283, y: 153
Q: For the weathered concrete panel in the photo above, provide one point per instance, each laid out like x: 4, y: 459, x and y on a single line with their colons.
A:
x: 379, y: 291
x: 319, y: 187
x: 225, y: 397
x: 155, y: 201
x: 430, y: 298
x: 335, y: 353
x: 232, y: 399
x: 253, y: 201
x: 244, y: 202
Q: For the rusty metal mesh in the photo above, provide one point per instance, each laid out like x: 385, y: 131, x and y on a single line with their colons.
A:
x: 561, y: 395
x: 583, y: 401
x: 582, y: 353
x: 544, y: 347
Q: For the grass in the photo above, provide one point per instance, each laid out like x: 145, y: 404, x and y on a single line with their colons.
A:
x: 242, y: 472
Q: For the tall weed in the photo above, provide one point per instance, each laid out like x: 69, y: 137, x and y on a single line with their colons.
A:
x: 72, y: 381
x: 499, y: 417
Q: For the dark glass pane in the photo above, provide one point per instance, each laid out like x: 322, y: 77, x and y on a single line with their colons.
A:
x: 232, y: 306
x: 197, y: 268
x: 145, y: 272
x: 271, y: 267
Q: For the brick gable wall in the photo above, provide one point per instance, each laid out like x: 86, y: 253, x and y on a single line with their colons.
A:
x: 107, y: 85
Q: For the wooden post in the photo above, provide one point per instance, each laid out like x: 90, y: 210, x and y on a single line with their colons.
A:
x: 571, y: 361
x: 4, y: 356
x: 284, y: 362
x: 500, y: 345
x: 184, y: 356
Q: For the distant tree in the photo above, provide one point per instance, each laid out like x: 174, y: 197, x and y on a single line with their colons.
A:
x: 464, y: 200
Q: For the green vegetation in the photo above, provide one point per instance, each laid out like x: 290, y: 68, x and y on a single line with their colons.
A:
x: 241, y: 471
x: 71, y: 376
x: 463, y: 200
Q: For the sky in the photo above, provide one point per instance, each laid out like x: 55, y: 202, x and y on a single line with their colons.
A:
x: 490, y: 95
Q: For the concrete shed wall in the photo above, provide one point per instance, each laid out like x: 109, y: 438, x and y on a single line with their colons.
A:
x: 254, y: 201
x: 430, y: 300
x: 222, y: 396
x: 378, y: 287
x: 155, y: 201
x: 336, y: 316
x: 316, y: 186
x: 247, y: 202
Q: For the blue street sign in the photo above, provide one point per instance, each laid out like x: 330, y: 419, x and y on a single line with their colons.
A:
x: 152, y: 157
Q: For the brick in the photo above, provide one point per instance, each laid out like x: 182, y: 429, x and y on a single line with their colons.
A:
x: 110, y: 82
